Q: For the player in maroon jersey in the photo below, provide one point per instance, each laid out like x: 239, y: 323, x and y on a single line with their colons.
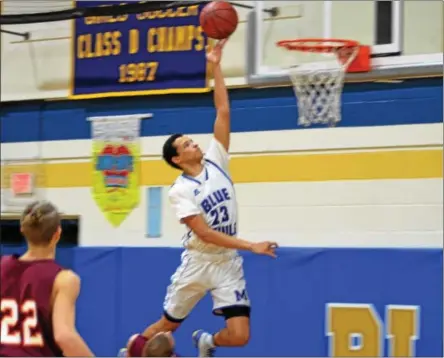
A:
x: 38, y: 296
x: 160, y: 345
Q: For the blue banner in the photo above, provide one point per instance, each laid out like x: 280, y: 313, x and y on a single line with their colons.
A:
x: 341, y: 302
x: 155, y: 52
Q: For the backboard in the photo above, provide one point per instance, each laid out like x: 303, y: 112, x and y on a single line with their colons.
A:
x: 399, y: 32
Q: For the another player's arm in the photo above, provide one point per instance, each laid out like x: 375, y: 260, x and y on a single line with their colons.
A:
x: 66, y: 291
x: 222, y: 126
x: 199, y: 226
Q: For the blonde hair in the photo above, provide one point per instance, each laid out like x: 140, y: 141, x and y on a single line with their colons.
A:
x: 158, y: 346
x: 39, y: 222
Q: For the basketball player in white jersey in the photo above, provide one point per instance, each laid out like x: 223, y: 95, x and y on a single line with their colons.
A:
x: 204, y: 199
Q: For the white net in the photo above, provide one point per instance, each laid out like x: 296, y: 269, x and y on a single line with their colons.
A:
x: 318, y: 86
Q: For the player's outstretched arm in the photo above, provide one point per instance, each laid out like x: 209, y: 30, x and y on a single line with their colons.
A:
x: 66, y: 290
x: 222, y: 125
x: 199, y: 226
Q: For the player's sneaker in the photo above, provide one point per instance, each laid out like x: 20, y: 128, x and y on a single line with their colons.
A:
x: 204, y: 343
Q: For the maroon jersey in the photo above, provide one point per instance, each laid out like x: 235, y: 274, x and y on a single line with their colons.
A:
x: 26, y: 317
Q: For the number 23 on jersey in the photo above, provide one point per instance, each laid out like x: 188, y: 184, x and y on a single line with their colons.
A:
x: 19, y: 323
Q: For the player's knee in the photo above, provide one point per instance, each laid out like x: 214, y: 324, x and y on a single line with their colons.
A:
x: 238, y: 325
x: 239, y: 337
x: 166, y: 325
x: 162, y: 325
x: 238, y: 331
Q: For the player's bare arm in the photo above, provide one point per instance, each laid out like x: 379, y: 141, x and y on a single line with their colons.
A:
x: 65, y: 292
x: 221, y: 102
x: 200, y: 227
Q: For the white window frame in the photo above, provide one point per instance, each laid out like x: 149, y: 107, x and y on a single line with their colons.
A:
x: 394, y: 47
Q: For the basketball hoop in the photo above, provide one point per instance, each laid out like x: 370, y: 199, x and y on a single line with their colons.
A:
x: 318, y: 85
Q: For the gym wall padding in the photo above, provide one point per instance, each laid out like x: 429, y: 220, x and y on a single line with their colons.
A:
x: 123, y: 290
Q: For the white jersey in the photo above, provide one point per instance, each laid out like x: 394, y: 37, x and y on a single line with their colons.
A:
x: 211, y: 194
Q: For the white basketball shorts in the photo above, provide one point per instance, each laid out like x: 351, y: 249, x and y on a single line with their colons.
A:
x: 196, y: 275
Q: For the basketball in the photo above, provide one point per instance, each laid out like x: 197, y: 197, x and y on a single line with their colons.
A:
x: 218, y: 19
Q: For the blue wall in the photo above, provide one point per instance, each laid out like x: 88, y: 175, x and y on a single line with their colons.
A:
x: 123, y: 290
x: 409, y: 102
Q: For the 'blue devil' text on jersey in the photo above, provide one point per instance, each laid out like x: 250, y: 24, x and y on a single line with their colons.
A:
x: 211, y: 194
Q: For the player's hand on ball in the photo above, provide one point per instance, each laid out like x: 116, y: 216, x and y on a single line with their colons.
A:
x: 265, y: 248
x: 215, y: 55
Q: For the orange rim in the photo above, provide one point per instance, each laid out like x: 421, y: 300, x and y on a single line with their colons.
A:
x: 317, y: 44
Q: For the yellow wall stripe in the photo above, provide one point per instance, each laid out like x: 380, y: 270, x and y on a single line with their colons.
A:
x: 403, y: 164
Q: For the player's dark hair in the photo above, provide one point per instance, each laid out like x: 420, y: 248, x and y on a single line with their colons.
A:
x: 158, y: 346
x: 39, y: 222
x: 170, y: 151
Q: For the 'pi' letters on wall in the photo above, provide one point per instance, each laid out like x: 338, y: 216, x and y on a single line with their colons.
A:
x: 357, y: 330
